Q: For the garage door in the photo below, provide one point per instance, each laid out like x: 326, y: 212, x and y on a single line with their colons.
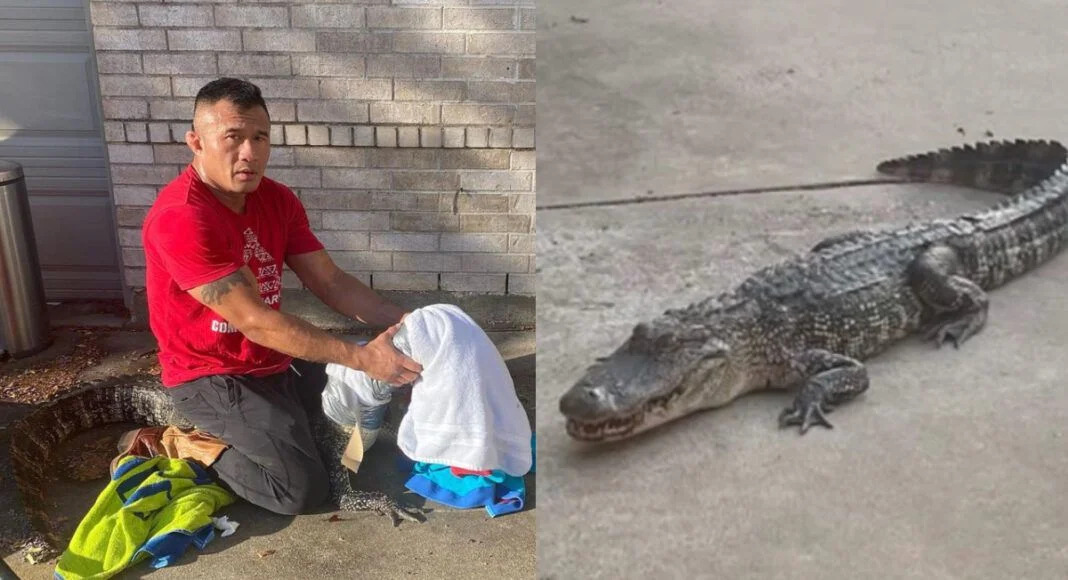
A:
x: 50, y: 124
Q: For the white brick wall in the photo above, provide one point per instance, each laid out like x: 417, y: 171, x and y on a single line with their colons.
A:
x: 406, y: 127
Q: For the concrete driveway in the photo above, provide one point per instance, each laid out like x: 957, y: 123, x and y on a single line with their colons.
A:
x: 953, y: 464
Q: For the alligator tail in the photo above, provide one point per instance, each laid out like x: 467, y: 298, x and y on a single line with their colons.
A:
x: 134, y: 399
x: 1003, y: 166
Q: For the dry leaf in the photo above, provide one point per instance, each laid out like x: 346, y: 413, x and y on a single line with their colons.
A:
x: 264, y: 553
x: 334, y: 518
x: 50, y: 377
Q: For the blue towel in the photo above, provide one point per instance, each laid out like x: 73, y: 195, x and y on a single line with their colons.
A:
x: 499, y: 492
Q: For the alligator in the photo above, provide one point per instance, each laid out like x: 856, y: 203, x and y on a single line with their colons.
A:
x: 808, y: 322
x: 142, y: 400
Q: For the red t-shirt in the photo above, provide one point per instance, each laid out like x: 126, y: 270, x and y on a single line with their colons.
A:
x: 191, y: 239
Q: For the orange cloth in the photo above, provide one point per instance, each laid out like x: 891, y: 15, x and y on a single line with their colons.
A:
x: 196, y: 445
x: 172, y: 442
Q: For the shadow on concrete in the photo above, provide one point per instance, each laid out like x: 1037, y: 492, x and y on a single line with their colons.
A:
x: 254, y: 522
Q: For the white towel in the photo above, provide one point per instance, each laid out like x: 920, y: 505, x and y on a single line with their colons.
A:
x: 464, y: 410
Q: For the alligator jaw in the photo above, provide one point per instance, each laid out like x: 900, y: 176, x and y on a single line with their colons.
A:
x: 607, y: 429
x: 621, y: 425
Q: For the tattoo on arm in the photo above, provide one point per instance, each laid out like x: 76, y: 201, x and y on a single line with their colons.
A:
x: 213, y: 292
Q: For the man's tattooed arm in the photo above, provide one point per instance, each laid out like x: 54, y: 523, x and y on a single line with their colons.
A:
x: 212, y: 293
x: 235, y: 299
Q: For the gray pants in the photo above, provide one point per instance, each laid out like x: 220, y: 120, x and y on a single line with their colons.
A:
x: 273, y: 461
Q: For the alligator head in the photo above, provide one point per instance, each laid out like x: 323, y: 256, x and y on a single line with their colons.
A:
x: 666, y: 370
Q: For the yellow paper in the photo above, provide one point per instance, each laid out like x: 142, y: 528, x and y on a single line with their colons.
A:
x: 353, y: 451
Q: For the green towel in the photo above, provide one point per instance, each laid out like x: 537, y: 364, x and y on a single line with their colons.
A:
x: 153, y: 507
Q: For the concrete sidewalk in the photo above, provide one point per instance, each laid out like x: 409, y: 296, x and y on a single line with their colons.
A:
x: 953, y: 464
x: 452, y: 543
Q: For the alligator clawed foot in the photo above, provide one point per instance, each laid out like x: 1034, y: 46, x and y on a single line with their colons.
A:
x: 383, y: 505
x: 955, y: 331
x: 808, y: 409
x: 399, y: 512
x: 805, y: 416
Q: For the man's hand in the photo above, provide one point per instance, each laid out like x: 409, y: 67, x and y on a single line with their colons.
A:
x: 382, y: 361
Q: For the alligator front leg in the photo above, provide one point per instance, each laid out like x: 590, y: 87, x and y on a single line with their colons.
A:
x: 377, y: 501
x: 829, y: 380
x: 959, y: 304
x: 332, y: 439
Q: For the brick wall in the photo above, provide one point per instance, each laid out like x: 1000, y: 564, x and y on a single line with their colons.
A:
x: 405, y: 127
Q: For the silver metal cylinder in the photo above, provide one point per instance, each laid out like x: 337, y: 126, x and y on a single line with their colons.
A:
x: 23, y: 311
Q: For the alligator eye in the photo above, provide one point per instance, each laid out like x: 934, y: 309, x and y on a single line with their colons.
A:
x: 693, y: 333
x: 714, y: 349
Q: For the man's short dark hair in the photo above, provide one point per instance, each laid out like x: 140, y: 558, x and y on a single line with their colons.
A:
x: 239, y: 92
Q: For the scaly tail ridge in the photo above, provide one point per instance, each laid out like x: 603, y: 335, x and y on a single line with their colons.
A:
x: 1003, y: 166
x: 34, y: 439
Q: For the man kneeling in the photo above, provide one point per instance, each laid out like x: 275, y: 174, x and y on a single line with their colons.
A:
x: 215, y: 241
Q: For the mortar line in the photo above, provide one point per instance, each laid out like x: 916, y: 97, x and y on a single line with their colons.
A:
x: 722, y: 193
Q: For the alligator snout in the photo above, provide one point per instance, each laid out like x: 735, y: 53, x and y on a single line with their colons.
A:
x: 615, y: 385
x: 585, y: 401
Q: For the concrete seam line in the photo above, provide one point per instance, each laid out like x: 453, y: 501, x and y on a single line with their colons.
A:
x: 723, y: 193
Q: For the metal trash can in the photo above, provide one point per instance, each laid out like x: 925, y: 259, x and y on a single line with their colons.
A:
x: 23, y: 312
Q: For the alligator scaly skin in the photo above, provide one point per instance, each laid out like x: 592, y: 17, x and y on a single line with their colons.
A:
x: 809, y: 321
